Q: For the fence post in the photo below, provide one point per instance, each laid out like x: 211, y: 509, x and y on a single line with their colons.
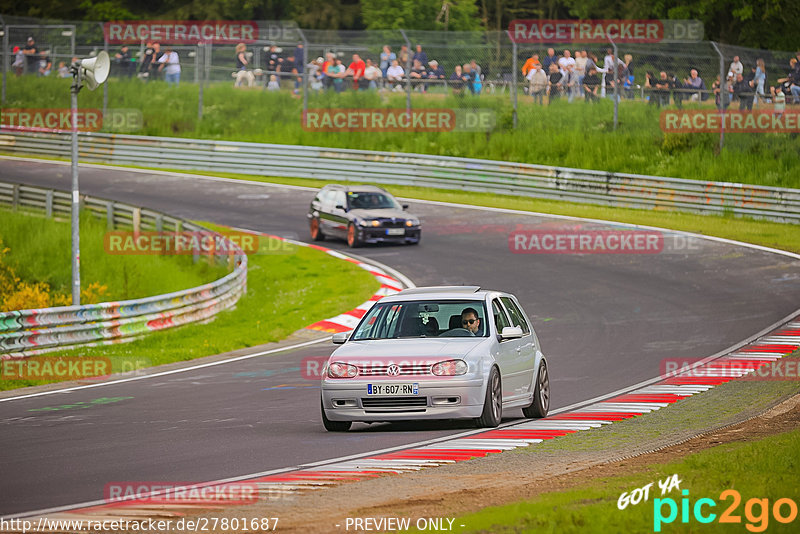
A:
x: 722, y: 95
x: 616, y: 82
x: 48, y: 203
x: 305, y: 74
x: 110, y: 215
x: 5, y: 59
x: 105, y: 85
x: 408, y: 72
x: 513, y: 80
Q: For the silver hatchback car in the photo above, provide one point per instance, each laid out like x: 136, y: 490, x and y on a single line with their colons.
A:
x: 454, y: 352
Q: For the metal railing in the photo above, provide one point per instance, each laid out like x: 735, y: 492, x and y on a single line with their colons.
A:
x: 37, y: 330
x: 539, y: 181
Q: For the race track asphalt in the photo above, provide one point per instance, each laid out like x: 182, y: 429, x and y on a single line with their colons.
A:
x: 605, y: 321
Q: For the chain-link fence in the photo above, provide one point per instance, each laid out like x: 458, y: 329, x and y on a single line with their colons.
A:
x: 484, y: 80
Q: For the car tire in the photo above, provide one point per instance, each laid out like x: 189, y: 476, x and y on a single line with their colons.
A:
x: 541, y: 394
x: 333, y: 426
x: 493, y: 401
x: 316, y: 231
x: 352, y: 236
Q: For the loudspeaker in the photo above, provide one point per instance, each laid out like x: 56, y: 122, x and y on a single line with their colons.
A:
x: 94, y: 71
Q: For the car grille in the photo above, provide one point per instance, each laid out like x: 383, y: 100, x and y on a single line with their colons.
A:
x: 405, y: 370
x: 394, y: 402
x: 388, y: 223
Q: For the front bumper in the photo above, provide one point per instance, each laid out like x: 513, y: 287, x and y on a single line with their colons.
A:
x: 344, y: 400
x: 378, y: 235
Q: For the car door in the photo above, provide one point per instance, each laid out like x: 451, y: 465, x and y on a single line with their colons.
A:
x: 338, y: 213
x: 527, y: 344
x: 509, y: 356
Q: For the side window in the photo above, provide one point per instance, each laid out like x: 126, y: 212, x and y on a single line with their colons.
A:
x: 339, y: 199
x: 500, y: 319
x: 517, y: 317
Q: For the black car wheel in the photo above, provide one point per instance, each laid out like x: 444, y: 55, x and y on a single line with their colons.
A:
x: 316, y: 231
x: 541, y: 394
x: 493, y: 403
x: 333, y: 426
x: 352, y: 237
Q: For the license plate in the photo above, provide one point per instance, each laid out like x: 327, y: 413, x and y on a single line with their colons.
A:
x: 395, y: 231
x: 391, y: 390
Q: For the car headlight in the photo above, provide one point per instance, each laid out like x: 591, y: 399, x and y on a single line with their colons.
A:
x: 412, y: 222
x: 365, y: 222
x: 449, y: 368
x: 342, y: 370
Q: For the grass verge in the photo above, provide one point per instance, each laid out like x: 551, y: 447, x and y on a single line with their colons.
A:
x: 562, y: 134
x: 285, y: 292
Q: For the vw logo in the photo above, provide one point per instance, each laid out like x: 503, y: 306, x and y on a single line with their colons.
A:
x: 393, y: 370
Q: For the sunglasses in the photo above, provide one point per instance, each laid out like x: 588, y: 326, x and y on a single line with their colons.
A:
x: 468, y: 321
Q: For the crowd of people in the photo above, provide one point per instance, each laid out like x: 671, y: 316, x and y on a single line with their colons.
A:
x: 551, y: 76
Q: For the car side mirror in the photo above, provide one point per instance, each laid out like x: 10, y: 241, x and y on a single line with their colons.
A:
x: 340, y: 337
x: 511, y: 332
x: 340, y: 207
x: 405, y: 206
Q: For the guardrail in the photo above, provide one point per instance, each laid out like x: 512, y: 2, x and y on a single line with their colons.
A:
x: 558, y: 183
x: 38, y: 330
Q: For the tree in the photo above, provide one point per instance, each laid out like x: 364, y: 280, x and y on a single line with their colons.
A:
x: 419, y: 15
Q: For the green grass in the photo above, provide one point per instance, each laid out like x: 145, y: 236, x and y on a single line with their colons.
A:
x: 285, y: 292
x: 571, y: 135
x: 763, y: 469
x: 766, y: 233
x: 41, y: 252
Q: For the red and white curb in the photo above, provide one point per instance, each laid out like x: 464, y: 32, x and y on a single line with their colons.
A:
x: 763, y: 351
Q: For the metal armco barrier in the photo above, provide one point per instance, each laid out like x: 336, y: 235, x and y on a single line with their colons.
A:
x: 576, y: 185
x: 31, y: 331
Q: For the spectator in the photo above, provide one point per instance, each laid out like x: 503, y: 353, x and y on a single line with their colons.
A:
x: 591, y: 85
x: 549, y: 59
x: 477, y: 73
x: 694, y: 81
x: 356, y: 70
x: 780, y: 101
x: 147, y: 60
x: 435, y: 72
x: 741, y: 92
x: 327, y: 65
x: 402, y: 57
x: 736, y: 68
x: 31, y: 53
x: 721, y: 100
x: 63, y: 70
x: 569, y: 82
x: 759, y: 80
x: 273, y: 84
x: 791, y: 83
x: 45, y: 65
x: 468, y: 77
x: 155, y: 66
x: 677, y: 88
x: 297, y: 67
x: 372, y: 75
x: 19, y: 61
x: 387, y: 56
x: 315, y: 73
x: 274, y: 59
x: 566, y: 61
x: 629, y: 77
x: 124, y: 62
x: 554, y: 85
x: 337, y: 71
x: 243, y: 76
x: 172, y: 72
x: 457, y: 80
x: 580, y: 68
x: 417, y: 74
x: 532, y: 63
x: 538, y: 83
x: 395, y: 74
x: 661, y: 90
x: 420, y: 56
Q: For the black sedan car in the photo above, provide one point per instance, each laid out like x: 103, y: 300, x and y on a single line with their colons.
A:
x: 361, y: 214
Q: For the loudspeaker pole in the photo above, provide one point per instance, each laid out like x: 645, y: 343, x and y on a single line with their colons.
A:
x: 76, y: 232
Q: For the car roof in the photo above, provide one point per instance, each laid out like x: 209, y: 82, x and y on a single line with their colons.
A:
x: 444, y: 293
x: 364, y: 188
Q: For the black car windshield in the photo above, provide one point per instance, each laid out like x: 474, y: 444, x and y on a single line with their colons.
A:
x: 423, y: 318
x: 370, y: 201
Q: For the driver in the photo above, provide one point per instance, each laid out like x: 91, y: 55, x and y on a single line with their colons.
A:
x: 470, y: 321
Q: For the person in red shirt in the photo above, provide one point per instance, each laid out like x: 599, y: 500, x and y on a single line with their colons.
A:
x: 356, y: 70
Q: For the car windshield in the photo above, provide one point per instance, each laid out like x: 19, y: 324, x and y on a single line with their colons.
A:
x: 423, y: 318
x: 371, y: 201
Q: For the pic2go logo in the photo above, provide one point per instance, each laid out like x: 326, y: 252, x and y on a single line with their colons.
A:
x: 756, y: 511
